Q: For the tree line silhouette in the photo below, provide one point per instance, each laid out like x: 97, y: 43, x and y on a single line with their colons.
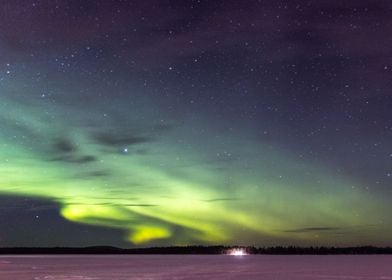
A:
x: 199, y: 250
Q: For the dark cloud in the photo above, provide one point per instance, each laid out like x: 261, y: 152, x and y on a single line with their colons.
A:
x: 139, y: 205
x: 334, y: 230
x: 85, y: 159
x: 222, y: 199
x: 76, y: 159
x: 116, y: 204
x: 67, y: 151
x: 313, y: 229
x: 64, y: 145
x: 93, y: 174
x: 119, y: 139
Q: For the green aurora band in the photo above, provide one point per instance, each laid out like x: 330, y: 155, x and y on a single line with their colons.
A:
x: 157, y: 181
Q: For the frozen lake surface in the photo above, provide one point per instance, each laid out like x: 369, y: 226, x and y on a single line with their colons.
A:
x: 175, y: 267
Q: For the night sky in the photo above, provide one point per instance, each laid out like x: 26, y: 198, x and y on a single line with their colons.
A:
x: 157, y: 122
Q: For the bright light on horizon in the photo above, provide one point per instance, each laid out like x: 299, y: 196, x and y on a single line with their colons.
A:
x: 237, y: 252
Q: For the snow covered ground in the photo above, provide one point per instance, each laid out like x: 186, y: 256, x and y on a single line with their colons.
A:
x: 144, y: 267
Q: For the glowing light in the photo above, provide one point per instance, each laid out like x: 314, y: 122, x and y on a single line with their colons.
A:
x: 237, y: 252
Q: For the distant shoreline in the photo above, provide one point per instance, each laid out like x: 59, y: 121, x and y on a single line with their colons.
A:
x: 196, y: 250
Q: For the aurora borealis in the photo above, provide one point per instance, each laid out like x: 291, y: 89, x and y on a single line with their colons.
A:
x: 142, y: 123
